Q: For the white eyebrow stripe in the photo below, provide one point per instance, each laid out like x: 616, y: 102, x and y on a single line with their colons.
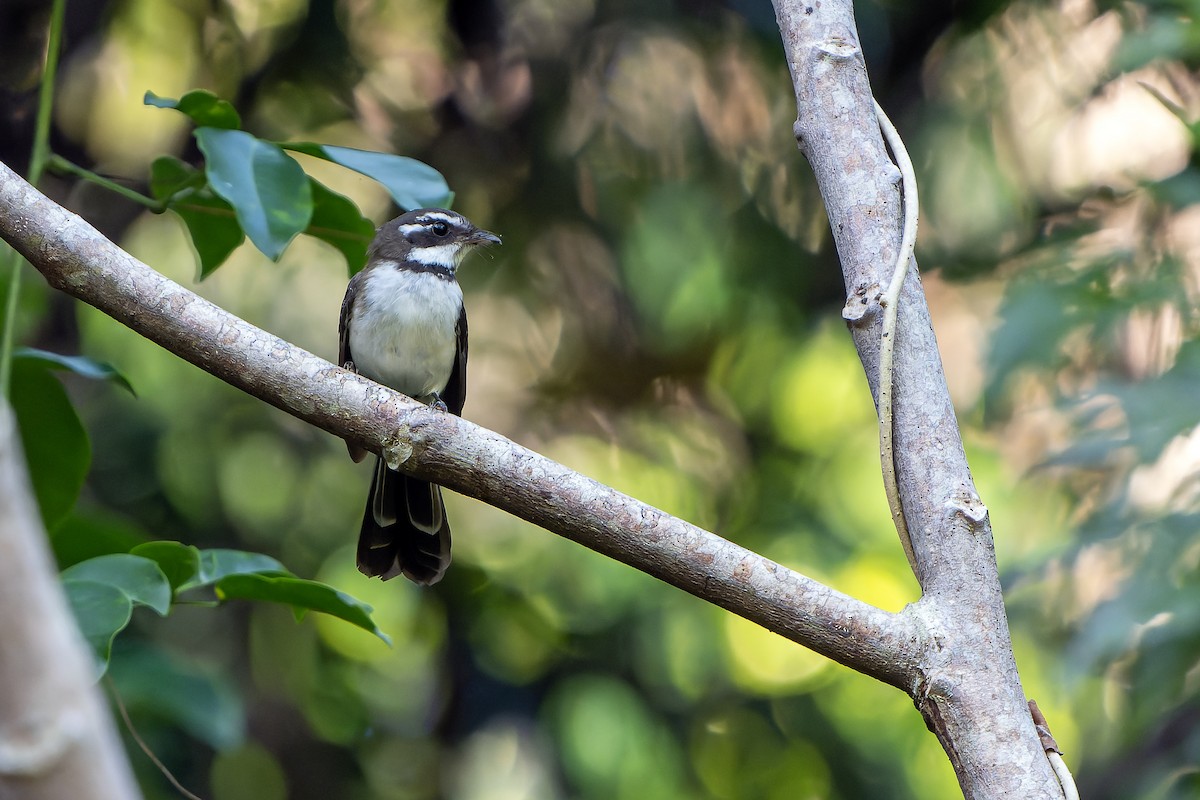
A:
x: 407, y: 229
x: 451, y: 219
x: 440, y: 255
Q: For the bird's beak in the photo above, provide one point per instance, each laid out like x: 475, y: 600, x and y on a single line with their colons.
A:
x: 483, y: 237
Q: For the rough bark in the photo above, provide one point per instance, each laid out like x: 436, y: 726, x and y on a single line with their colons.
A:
x: 967, y: 687
x: 56, y: 736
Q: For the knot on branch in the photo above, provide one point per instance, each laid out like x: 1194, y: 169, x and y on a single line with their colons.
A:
x: 798, y: 132
x: 937, y: 687
x: 398, y: 449
x: 34, y: 745
x: 894, y: 174
x: 966, y: 503
x: 838, y: 48
x: 864, y: 301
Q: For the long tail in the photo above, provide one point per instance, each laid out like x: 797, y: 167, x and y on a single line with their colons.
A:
x: 404, y: 529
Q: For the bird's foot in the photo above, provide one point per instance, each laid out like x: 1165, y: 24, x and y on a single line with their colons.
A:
x: 438, y: 405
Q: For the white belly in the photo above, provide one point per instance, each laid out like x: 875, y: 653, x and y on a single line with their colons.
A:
x: 403, y: 331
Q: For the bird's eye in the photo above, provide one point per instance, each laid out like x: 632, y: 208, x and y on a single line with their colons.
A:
x: 439, y: 228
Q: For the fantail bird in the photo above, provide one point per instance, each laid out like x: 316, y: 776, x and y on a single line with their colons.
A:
x: 403, y: 324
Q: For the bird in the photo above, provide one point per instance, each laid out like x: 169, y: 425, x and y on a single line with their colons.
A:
x: 403, y: 324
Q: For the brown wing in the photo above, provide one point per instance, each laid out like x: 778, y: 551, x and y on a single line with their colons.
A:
x: 345, y: 357
x: 455, y: 393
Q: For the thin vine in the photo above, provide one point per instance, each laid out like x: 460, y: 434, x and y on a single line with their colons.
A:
x: 889, y: 302
x: 37, y: 164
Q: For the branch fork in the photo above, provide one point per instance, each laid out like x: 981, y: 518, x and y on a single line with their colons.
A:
x: 966, y: 684
x: 950, y: 651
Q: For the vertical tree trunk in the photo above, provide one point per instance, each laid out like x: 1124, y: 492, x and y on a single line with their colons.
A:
x: 967, y: 685
x: 57, y: 739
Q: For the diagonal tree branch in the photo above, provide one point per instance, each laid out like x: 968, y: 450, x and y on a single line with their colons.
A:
x: 77, y: 259
x: 969, y: 691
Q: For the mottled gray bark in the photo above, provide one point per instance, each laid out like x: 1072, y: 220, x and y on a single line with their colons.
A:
x: 966, y: 686
x: 56, y: 736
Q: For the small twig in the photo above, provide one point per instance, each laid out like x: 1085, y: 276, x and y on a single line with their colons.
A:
x: 45, y: 112
x: 116, y: 696
x: 890, y: 302
x: 1053, y: 754
x: 60, y: 164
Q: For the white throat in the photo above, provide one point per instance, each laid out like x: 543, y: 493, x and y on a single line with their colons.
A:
x: 440, y: 255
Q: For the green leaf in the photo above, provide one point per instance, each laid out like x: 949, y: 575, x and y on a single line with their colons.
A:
x: 338, y: 221
x: 136, y: 577
x: 1159, y: 410
x: 268, y: 190
x: 204, y: 107
x: 80, y: 365
x: 180, y: 563
x: 1162, y: 37
x: 1032, y: 325
x: 1180, y: 190
x: 302, y: 595
x: 56, y: 445
x: 211, y: 222
x: 102, y: 611
x: 212, y: 227
x: 169, y: 175
x: 80, y: 537
x: 411, y: 183
x: 218, y: 563
x: 202, y: 702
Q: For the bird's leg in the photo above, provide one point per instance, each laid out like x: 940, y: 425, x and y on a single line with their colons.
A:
x: 437, y: 403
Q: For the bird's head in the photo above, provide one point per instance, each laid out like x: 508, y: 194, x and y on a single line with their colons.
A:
x: 430, y: 237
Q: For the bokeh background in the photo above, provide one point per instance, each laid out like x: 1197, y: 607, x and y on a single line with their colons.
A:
x: 663, y: 316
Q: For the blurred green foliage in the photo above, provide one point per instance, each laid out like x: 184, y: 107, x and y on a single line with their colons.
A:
x: 664, y: 317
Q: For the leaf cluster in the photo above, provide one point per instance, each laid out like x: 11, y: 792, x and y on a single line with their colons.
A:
x: 103, y: 591
x: 251, y: 188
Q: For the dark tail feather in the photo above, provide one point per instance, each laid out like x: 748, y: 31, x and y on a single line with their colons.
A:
x: 404, y: 529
